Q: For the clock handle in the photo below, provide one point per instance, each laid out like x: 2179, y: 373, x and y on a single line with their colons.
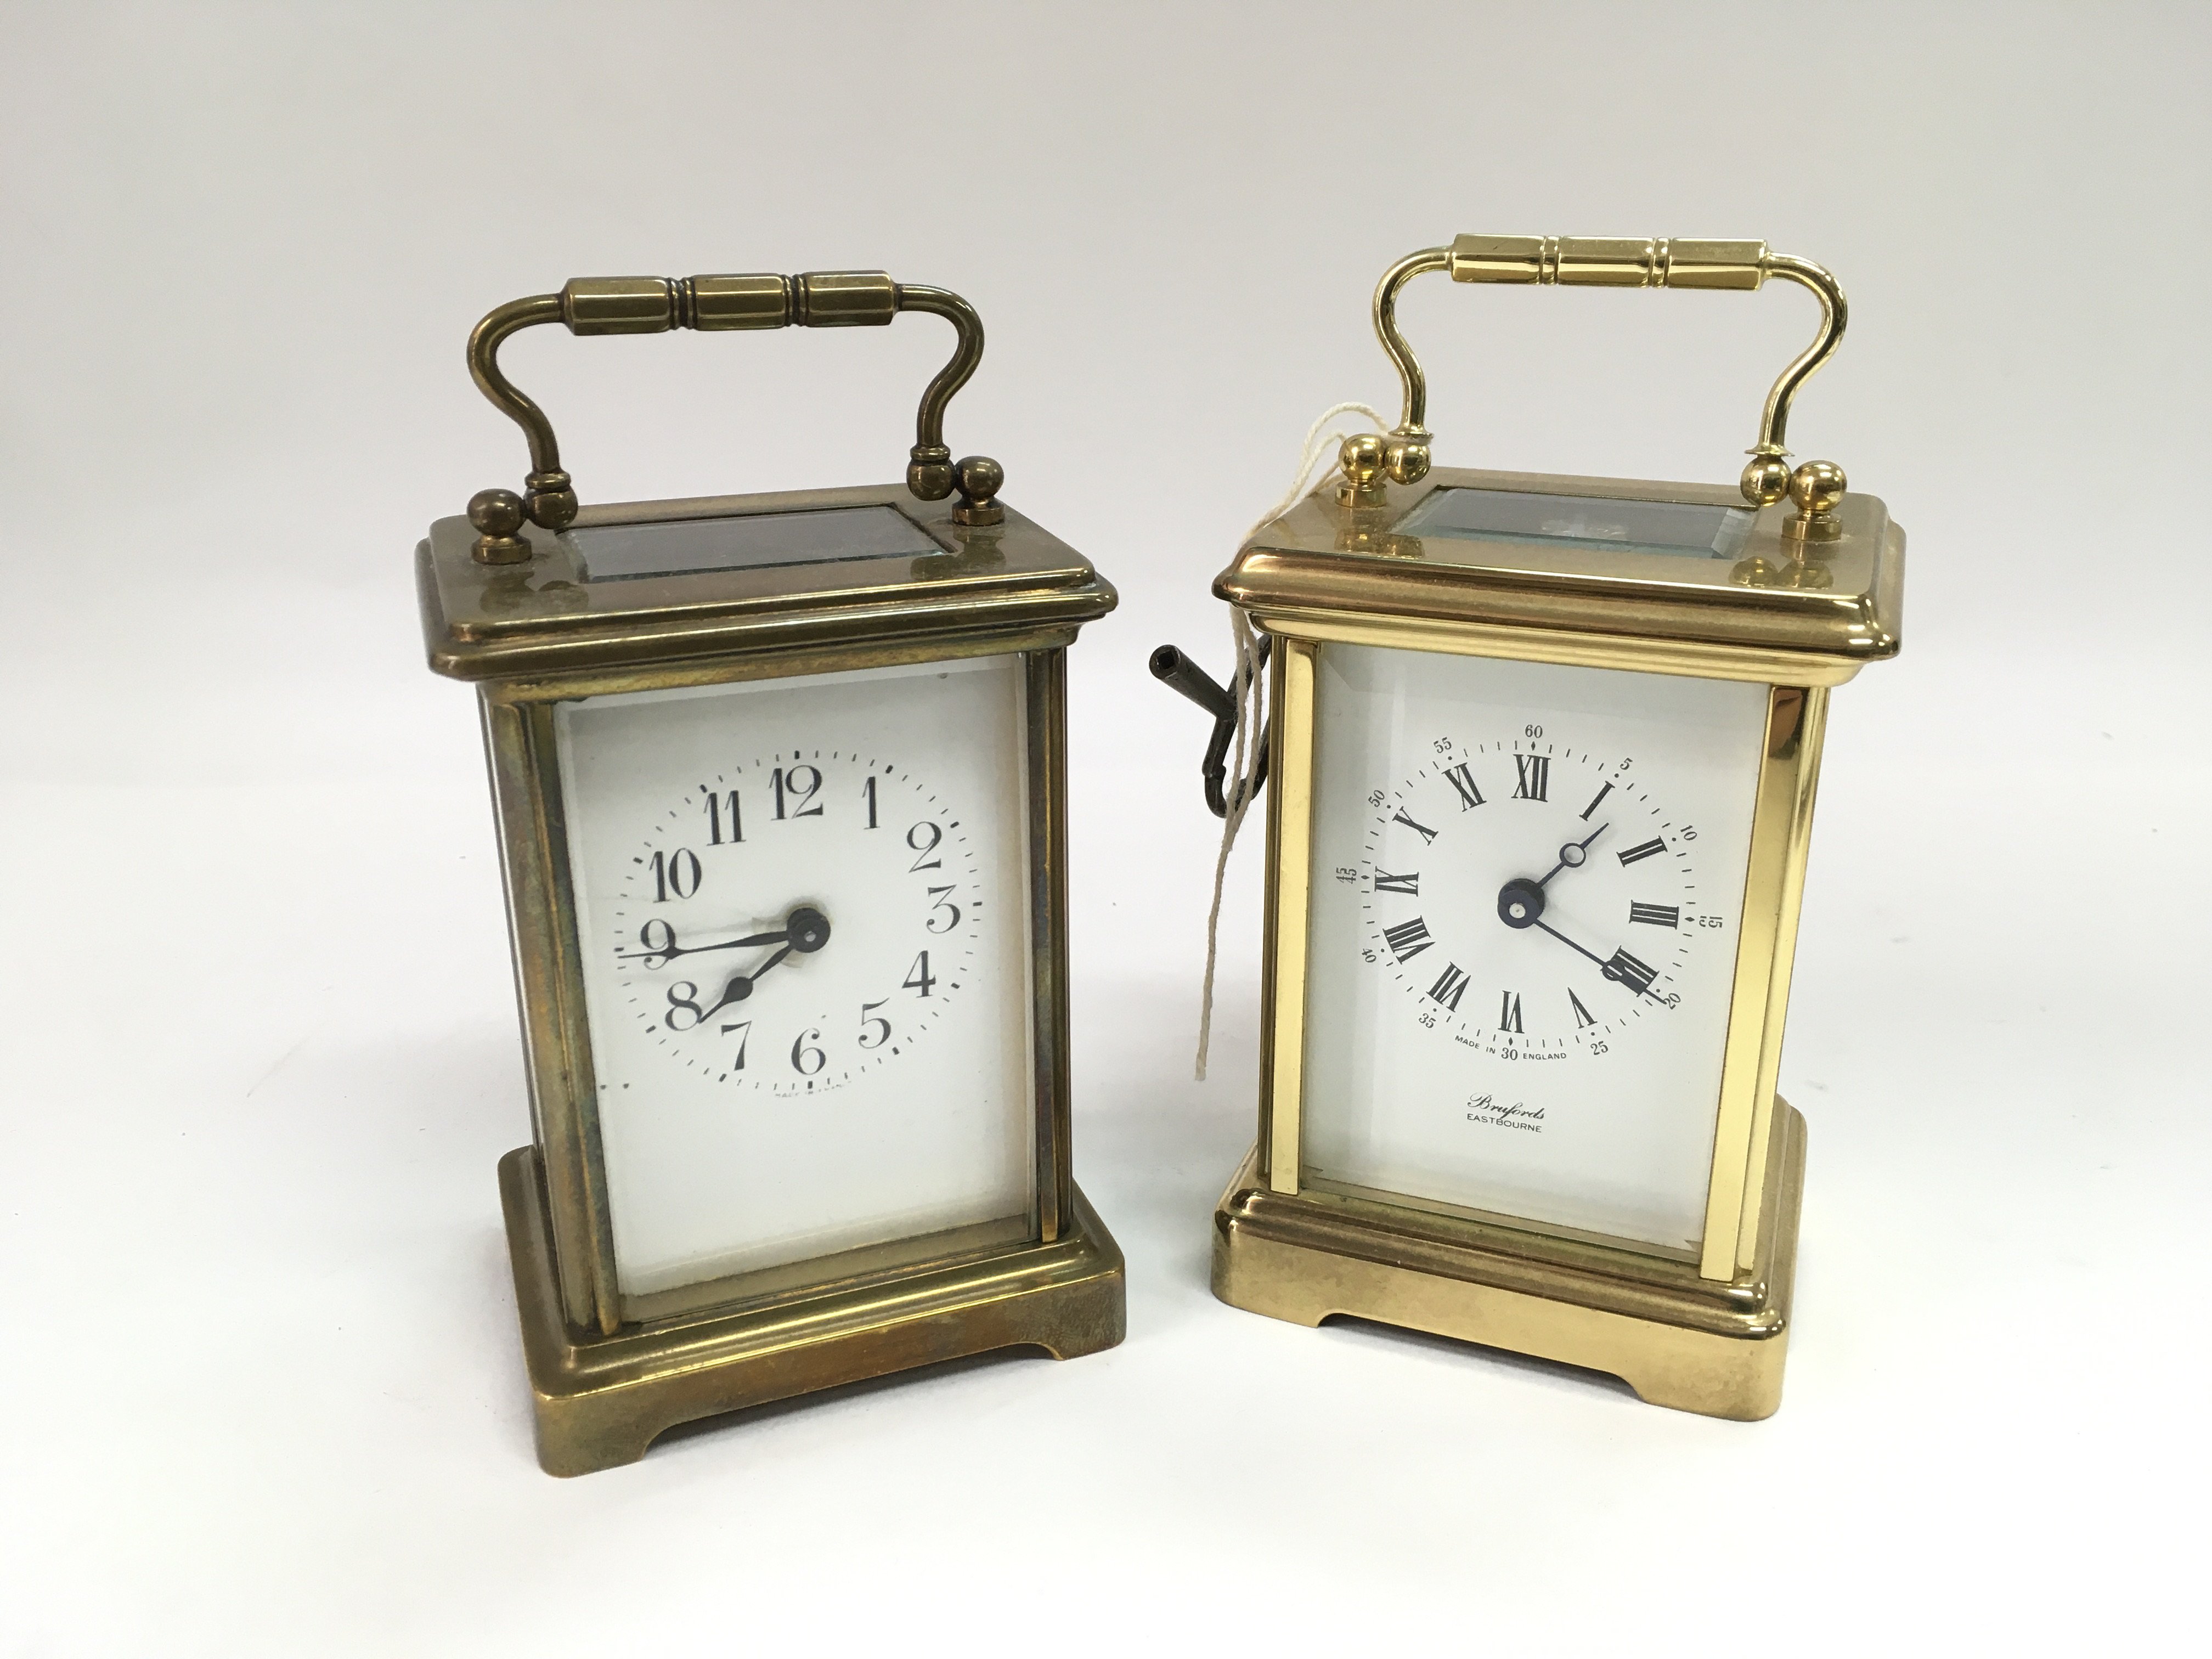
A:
x: 1616, y: 262
x: 653, y: 305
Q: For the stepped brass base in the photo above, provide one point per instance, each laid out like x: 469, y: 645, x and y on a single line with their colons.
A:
x: 1693, y: 1344
x: 601, y: 1399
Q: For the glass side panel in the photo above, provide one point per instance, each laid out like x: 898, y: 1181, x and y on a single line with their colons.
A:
x: 1674, y: 528
x: 746, y: 541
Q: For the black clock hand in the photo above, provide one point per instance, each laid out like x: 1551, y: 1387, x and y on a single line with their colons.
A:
x: 675, y: 949
x: 1520, y: 904
x: 1569, y: 944
x: 741, y: 985
x: 806, y: 931
x: 1572, y: 855
x: 1620, y: 968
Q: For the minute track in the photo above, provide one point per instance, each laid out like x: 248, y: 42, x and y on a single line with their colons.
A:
x: 1422, y: 867
x: 801, y: 1019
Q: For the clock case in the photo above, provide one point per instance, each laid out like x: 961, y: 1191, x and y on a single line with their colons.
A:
x: 508, y: 603
x: 1809, y: 596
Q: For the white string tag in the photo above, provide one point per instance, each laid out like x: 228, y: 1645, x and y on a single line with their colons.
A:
x: 1247, y: 691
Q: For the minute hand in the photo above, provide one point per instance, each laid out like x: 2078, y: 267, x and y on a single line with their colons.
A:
x: 1619, y: 971
x: 780, y: 936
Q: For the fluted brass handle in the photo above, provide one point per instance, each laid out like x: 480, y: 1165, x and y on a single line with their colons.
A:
x: 653, y: 305
x: 1613, y: 262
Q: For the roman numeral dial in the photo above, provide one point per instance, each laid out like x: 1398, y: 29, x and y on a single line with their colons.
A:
x: 1554, y: 882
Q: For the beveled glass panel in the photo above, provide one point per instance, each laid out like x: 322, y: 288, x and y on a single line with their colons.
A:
x: 1676, y: 529
x: 748, y: 541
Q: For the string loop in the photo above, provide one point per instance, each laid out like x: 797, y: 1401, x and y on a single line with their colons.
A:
x: 1248, y: 690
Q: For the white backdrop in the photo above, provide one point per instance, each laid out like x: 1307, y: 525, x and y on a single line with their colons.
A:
x: 262, y: 1388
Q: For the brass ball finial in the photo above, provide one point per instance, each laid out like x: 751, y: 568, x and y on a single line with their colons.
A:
x: 978, y: 478
x: 1361, y: 456
x: 929, y: 472
x: 1405, y: 455
x: 1766, y: 480
x: 498, y: 516
x: 1818, y: 488
x: 551, y: 501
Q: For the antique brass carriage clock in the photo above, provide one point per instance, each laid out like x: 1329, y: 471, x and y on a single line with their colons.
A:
x: 781, y: 802
x: 1544, y: 752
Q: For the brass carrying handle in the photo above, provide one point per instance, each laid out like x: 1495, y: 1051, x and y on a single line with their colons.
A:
x: 653, y: 305
x: 1614, y: 262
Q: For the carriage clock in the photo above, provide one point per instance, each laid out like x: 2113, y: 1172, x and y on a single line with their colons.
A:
x: 1544, y: 751
x: 780, y: 792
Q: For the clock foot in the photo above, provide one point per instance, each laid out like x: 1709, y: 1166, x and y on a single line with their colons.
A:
x: 1693, y: 1343
x: 601, y: 1400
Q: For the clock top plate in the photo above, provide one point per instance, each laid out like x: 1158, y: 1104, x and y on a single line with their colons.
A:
x: 650, y: 581
x: 1618, y: 559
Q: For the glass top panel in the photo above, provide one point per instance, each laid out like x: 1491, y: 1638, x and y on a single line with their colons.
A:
x: 747, y: 541
x: 1677, y: 529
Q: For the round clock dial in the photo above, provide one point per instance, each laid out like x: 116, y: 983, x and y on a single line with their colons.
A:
x: 797, y: 920
x: 1531, y: 898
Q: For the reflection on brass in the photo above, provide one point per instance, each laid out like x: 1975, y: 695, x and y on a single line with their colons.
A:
x: 512, y: 592
x: 653, y: 305
x: 1381, y: 543
x: 1678, y: 1338
x: 1809, y: 574
x: 1610, y: 262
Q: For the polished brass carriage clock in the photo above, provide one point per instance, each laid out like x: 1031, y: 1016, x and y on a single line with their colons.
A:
x: 780, y: 789
x: 1544, y: 751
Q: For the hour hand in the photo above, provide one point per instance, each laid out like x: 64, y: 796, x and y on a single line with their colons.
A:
x: 741, y: 985
x: 1574, y: 854
x: 806, y: 931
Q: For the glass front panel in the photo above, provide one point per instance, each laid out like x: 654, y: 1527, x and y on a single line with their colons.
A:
x: 1527, y: 885
x: 802, y: 912
x: 745, y: 541
x: 1674, y: 528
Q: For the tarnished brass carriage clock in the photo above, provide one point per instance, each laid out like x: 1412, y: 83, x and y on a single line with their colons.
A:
x: 781, y: 788
x: 1544, y: 751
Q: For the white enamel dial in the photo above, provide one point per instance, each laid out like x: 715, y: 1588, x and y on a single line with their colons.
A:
x: 796, y: 968
x: 1523, y: 927
x: 1573, y: 926
x: 802, y: 928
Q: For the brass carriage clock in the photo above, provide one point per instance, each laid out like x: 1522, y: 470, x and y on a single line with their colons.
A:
x: 1544, y: 752
x: 781, y: 803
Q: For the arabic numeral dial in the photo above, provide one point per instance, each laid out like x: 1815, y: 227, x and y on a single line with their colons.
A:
x: 790, y: 921
x: 1532, y: 900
